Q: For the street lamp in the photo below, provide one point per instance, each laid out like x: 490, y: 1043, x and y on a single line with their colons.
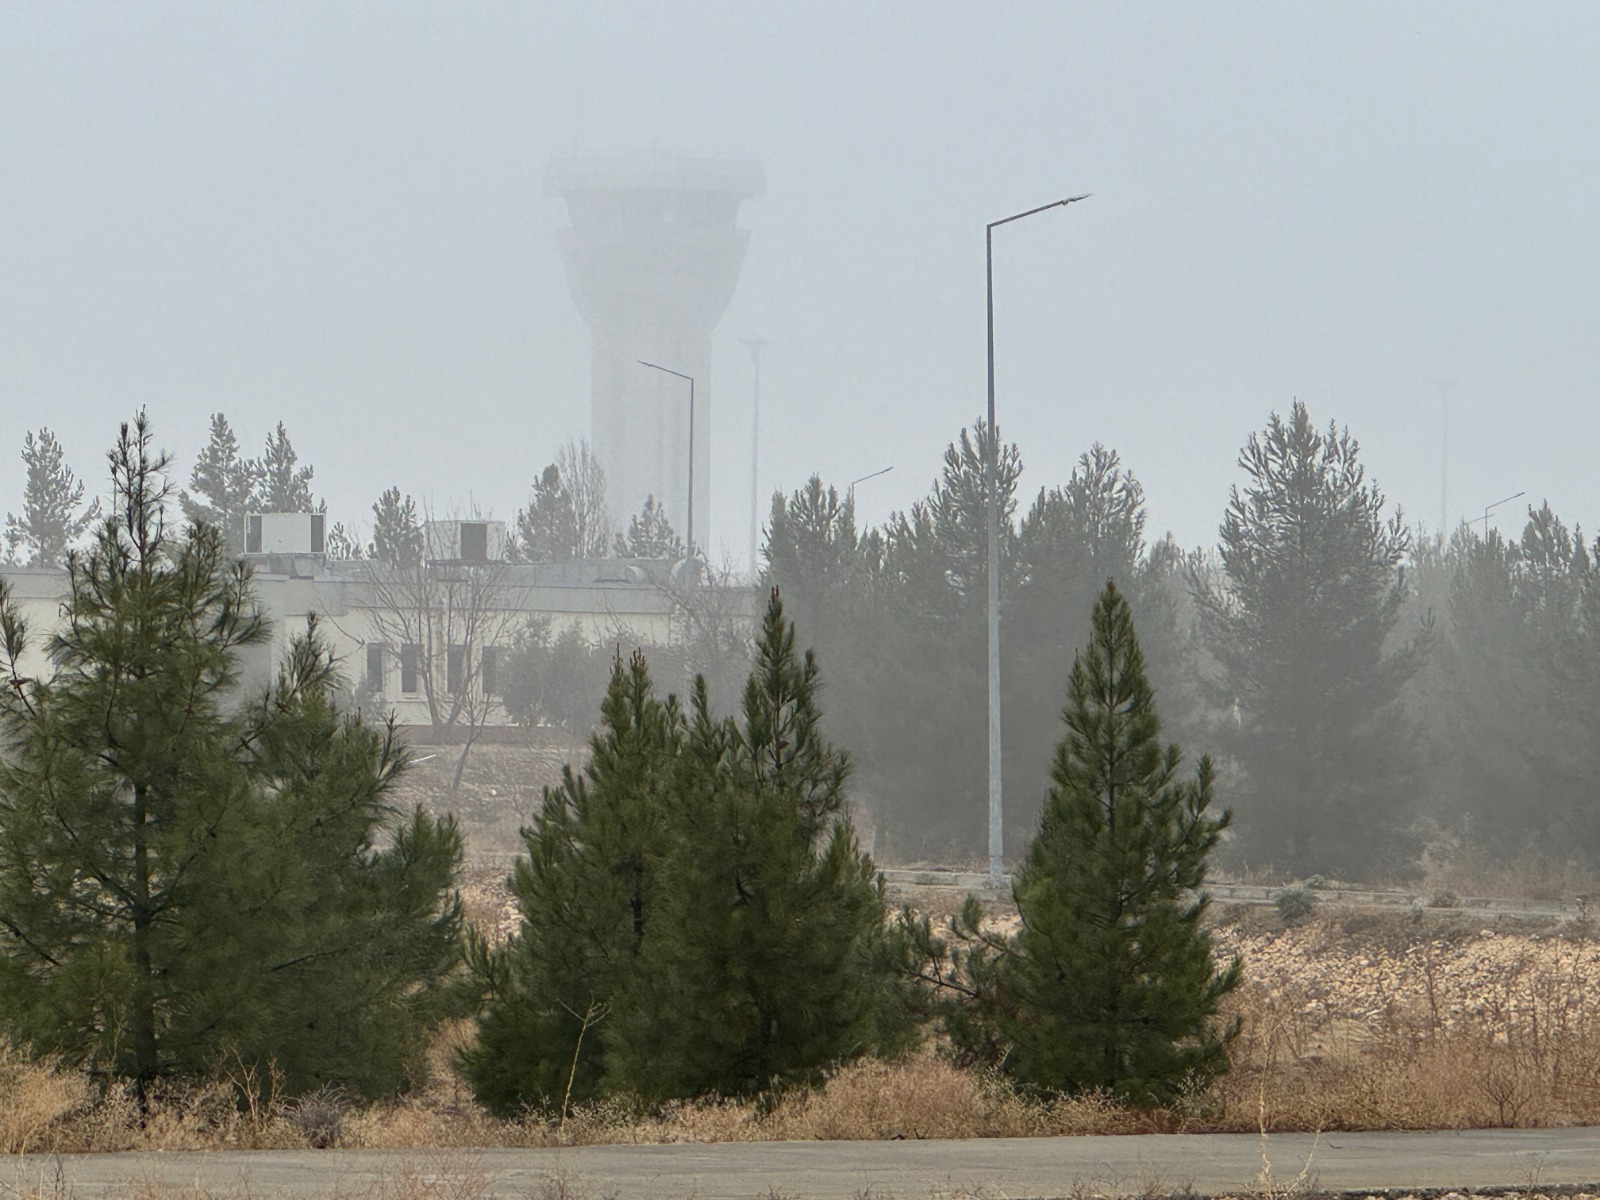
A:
x: 1488, y: 508
x: 851, y: 495
x: 690, y: 378
x: 991, y: 470
x: 755, y: 345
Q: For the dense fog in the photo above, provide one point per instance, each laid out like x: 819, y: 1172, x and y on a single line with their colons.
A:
x: 1309, y: 373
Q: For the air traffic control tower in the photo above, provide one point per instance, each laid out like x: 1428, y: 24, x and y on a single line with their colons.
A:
x: 652, y: 256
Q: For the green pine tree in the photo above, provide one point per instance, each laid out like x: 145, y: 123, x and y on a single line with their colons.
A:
x: 187, y: 874
x: 53, y: 516
x: 221, y: 486
x: 650, y: 535
x: 1304, y: 624
x: 396, y: 532
x: 547, y: 526
x: 587, y: 891
x: 766, y: 960
x: 1110, y: 983
x: 282, y: 485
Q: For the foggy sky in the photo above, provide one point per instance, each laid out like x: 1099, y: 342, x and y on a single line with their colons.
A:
x: 332, y: 215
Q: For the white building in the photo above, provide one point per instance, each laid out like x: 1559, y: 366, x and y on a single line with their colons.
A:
x: 423, y: 642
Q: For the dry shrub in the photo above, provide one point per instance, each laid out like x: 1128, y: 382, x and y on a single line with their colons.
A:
x: 926, y: 1097
x: 1465, y: 870
x: 35, y: 1099
x: 1458, y: 1032
x: 1348, y: 1021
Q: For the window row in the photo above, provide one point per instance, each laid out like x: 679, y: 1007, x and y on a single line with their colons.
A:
x: 458, y: 673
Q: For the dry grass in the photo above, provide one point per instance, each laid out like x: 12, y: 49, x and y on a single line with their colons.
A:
x: 1350, y: 1021
x: 1401, y: 1023
x: 1465, y: 871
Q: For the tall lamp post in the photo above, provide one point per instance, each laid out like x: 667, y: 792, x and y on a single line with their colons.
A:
x: 755, y: 345
x: 991, y: 470
x: 1488, y: 508
x: 851, y: 493
x: 690, y: 378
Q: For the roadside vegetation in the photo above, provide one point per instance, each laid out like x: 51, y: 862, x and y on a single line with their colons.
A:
x: 218, y: 928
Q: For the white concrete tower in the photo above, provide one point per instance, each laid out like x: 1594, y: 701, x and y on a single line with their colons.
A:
x: 652, y: 256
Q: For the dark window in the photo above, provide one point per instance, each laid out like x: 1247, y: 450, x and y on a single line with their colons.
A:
x: 375, y: 668
x: 318, y: 540
x: 252, y: 537
x: 455, y: 668
x: 474, y: 541
x: 491, y: 655
x: 409, y: 659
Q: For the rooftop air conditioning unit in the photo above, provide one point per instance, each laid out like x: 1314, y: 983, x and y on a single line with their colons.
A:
x: 466, y: 541
x: 284, y: 533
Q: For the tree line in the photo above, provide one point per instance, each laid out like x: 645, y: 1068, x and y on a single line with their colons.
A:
x: 1373, y: 693
x: 565, y: 515
x: 193, y: 874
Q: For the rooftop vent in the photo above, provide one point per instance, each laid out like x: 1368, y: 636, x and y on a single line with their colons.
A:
x: 466, y: 541
x: 284, y: 533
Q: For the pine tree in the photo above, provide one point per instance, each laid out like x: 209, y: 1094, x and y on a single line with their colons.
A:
x: 186, y: 872
x: 765, y: 961
x: 587, y: 890
x: 650, y: 535
x: 1110, y: 984
x: 1072, y: 539
x: 51, y: 519
x: 1301, y: 624
x: 281, y: 484
x: 1512, y: 692
x: 396, y: 532
x: 547, y: 526
x: 341, y: 544
x: 222, y: 485
x: 927, y: 749
x: 814, y: 553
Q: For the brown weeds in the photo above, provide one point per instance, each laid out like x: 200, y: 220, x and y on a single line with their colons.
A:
x: 1347, y: 1023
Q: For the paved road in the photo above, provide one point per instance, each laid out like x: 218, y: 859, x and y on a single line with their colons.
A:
x: 991, y: 1167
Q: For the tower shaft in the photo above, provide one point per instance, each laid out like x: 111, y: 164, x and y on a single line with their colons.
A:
x: 652, y: 256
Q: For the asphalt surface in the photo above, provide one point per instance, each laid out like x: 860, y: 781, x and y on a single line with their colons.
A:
x: 993, y: 1168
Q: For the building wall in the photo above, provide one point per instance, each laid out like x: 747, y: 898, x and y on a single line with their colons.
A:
x: 626, y: 603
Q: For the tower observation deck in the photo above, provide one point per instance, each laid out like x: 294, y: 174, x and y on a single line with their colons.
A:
x: 652, y: 257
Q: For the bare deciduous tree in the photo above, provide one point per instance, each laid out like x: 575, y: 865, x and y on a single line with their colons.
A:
x: 447, y: 621
x: 586, y: 487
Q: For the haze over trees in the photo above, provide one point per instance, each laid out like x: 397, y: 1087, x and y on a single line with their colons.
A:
x: 54, y: 516
x: 1301, y: 623
x: 566, y: 515
x: 1511, y: 695
x: 1373, y: 692
x: 650, y: 534
x: 222, y: 486
x: 901, y: 613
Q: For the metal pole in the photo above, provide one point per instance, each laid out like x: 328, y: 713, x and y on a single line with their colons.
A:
x: 690, y: 378
x: 991, y: 479
x: 1488, y: 508
x: 755, y: 345
x: 850, y: 492
x: 691, y: 468
x: 991, y: 471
